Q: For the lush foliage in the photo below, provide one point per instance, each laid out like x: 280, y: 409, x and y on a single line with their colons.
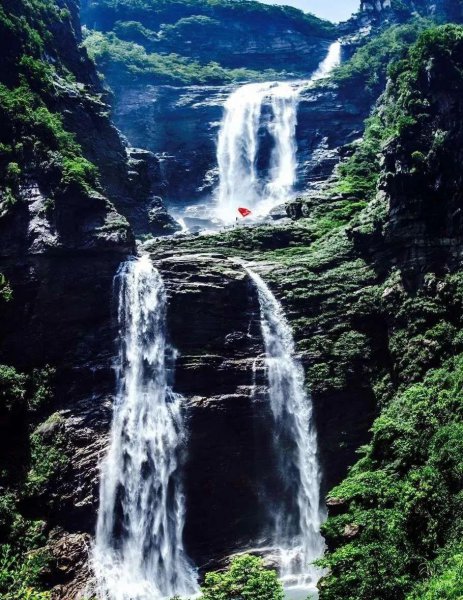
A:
x: 406, y: 110
x: 23, y: 475
x: 358, y: 175
x: 129, y: 62
x: 33, y: 139
x: 159, y: 12
x: 6, y: 292
x: 19, y: 579
x: 399, y: 528
x: 190, y: 42
x: 245, y: 579
x: 404, y: 495
x: 368, y: 67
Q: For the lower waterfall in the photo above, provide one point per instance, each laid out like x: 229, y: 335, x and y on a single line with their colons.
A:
x: 296, y: 529
x: 138, y: 553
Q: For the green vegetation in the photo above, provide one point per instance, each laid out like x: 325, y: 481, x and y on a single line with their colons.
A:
x: 19, y: 580
x: 12, y: 388
x: 192, y: 42
x: 406, y: 112
x: 365, y: 329
x: 368, y: 68
x: 155, y: 13
x: 48, y: 457
x: 446, y: 578
x: 6, y: 293
x: 404, y: 495
x: 245, y: 579
x: 399, y: 533
x: 129, y: 62
x: 24, y: 474
x: 33, y: 139
x: 359, y: 175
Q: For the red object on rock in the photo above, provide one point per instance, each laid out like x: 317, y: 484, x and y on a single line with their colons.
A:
x: 244, y: 212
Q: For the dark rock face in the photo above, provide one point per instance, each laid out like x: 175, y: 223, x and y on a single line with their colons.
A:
x: 61, y: 315
x: 420, y: 203
x: 214, y: 324
x: 181, y: 126
x: 85, y: 110
x: 327, y: 120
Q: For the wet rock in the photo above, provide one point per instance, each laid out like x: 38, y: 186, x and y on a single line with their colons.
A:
x: 294, y: 209
x: 181, y: 125
x: 214, y: 324
x: 163, y: 222
x: 278, y: 212
x: 69, y: 554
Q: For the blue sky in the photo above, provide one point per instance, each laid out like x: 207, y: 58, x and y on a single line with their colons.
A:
x: 334, y: 10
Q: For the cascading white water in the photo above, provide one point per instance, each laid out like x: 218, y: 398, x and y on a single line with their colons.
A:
x: 238, y: 147
x: 252, y: 112
x: 138, y: 553
x: 299, y: 543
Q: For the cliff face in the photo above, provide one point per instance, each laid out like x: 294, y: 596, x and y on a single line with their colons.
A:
x: 209, y: 43
x: 443, y: 10
x: 420, y: 180
x: 181, y: 126
x: 243, y: 34
x: 214, y: 324
x: 372, y: 288
x: 65, y: 180
x: 373, y: 291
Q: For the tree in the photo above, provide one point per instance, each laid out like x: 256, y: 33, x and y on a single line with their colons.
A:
x: 245, y: 579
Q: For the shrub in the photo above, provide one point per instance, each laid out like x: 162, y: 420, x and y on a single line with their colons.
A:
x: 404, y: 495
x: 20, y: 578
x: 12, y: 389
x: 245, y: 579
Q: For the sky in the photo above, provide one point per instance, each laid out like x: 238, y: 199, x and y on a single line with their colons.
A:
x: 334, y: 10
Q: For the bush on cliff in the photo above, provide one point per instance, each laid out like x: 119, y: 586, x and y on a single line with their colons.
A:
x: 402, y: 500
x: 368, y: 67
x: 245, y: 579
x: 22, y: 558
x: 33, y: 139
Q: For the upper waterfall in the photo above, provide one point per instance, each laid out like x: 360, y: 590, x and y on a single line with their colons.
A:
x: 138, y: 552
x: 298, y: 513
x: 256, y: 151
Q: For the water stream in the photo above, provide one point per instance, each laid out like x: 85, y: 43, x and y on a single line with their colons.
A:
x: 299, y: 513
x: 139, y: 552
x: 257, y: 147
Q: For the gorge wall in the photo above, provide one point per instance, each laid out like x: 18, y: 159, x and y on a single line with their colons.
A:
x: 181, y: 126
x: 370, y: 284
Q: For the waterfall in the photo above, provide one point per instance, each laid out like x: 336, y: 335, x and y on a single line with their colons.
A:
x: 239, y: 145
x: 138, y: 553
x: 256, y: 150
x: 297, y: 524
